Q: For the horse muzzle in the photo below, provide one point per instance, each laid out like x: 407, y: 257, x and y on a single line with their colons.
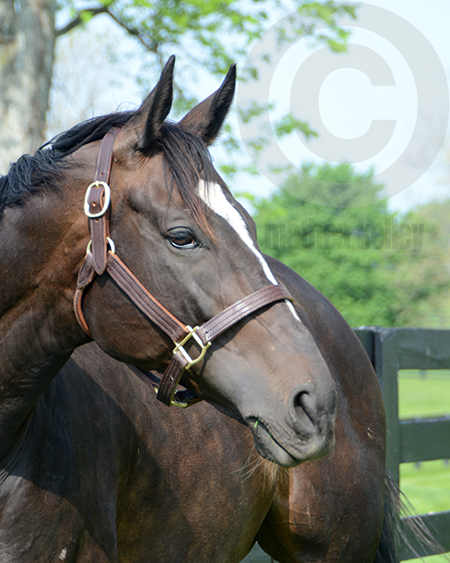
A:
x: 306, y: 433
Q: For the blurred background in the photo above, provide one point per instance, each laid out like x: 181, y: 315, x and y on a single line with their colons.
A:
x: 338, y: 143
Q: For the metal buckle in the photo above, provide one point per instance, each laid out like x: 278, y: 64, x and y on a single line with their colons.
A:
x: 174, y: 402
x: 112, y: 246
x: 106, y: 203
x: 179, y: 347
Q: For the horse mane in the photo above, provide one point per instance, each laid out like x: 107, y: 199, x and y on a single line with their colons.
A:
x: 186, y: 156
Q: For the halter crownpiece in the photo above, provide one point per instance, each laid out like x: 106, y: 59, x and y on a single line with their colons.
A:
x: 101, y: 258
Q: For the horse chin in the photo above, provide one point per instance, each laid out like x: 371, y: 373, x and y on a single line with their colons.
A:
x: 269, y: 448
x: 276, y: 454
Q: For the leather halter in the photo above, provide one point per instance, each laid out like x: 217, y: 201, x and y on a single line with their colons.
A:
x: 101, y: 258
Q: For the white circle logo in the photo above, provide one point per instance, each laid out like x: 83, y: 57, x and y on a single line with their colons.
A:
x: 405, y: 152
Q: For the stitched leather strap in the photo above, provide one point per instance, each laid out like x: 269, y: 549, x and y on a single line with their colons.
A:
x: 144, y: 300
x: 217, y: 326
x: 99, y: 260
x: 183, y: 397
x: 96, y: 200
x: 170, y: 325
x: 233, y: 314
x: 170, y: 379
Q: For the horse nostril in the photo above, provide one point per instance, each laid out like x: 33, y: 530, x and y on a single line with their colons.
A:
x: 303, y: 411
x: 298, y: 399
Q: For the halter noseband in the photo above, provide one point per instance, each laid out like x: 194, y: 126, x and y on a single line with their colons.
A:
x: 101, y: 257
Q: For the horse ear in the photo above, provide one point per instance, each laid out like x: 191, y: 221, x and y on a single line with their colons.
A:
x: 155, y: 108
x: 206, y: 118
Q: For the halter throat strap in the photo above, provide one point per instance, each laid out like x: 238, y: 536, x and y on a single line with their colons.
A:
x: 101, y: 258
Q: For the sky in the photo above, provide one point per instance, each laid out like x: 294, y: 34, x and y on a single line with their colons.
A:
x: 384, y: 104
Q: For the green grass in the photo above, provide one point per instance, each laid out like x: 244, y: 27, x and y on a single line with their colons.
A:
x: 432, y: 559
x: 427, y: 485
x: 424, y: 395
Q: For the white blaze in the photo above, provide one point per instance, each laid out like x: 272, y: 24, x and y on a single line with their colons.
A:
x: 215, y: 199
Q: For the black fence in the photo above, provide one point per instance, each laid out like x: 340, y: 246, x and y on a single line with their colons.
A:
x: 424, y: 439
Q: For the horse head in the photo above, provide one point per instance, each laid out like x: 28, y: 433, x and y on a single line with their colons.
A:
x: 192, y: 247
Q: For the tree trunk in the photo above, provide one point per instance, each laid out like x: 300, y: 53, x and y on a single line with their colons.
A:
x: 27, y: 42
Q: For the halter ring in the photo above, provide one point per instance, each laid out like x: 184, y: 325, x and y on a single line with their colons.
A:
x: 112, y: 246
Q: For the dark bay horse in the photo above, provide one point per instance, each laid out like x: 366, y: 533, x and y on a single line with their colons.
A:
x: 93, y: 467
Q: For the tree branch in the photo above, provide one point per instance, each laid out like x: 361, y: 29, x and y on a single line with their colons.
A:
x: 149, y: 45
x: 79, y: 18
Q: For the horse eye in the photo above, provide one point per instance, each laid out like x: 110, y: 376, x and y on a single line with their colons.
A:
x: 182, y: 239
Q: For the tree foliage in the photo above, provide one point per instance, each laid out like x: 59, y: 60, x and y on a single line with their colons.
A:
x: 375, y: 267
x: 207, y: 35
x: 434, y: 311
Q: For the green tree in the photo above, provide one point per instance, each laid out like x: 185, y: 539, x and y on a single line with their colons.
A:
x: 370, y: 263
x: 434, y: 310
x: 207, y: 36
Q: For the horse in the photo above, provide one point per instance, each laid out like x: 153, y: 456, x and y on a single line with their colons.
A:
x: 113, y: 232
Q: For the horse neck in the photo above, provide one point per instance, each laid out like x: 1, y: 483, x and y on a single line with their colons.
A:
x: 40, y: 255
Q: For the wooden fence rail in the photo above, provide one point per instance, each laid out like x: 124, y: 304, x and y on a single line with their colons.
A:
x: 390, y: 350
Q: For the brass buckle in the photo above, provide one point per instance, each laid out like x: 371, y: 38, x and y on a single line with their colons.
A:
x: 106, y: 203
x: 175, y: 403
x: 179, y: 347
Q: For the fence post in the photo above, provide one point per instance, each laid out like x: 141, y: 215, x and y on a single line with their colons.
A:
x: 386, y: 367
x: 382, y: 348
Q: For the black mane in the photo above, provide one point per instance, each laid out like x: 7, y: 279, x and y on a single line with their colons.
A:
x: 186, y: 155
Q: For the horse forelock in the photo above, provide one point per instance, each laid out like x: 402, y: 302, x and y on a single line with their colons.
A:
x: 190, y: 163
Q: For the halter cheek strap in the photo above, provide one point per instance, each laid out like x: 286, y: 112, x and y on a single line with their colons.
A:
x: 101, y: 258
